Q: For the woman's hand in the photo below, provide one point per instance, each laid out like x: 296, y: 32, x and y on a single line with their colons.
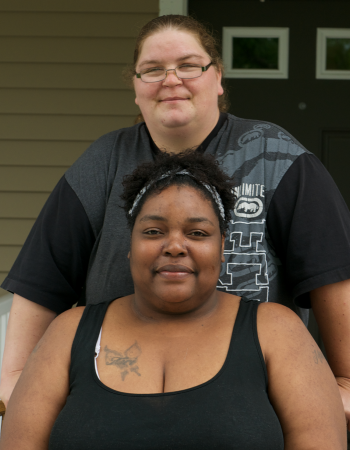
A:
x: 7, y: 385
x: 344, y: 388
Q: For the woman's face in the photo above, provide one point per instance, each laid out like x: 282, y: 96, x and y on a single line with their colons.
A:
x: 174, y: 102
x: 176, y: 251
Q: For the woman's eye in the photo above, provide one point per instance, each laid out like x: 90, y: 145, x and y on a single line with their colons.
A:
x: 189, y: 65
x: 152, y: 232
x: 152, y: 70
x: 197, y: 233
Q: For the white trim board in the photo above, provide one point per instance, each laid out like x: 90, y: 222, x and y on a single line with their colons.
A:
x: 5, y: 303
x: 321, y: 53
x: 5, y: 306
x: 259, y: 32
x: 173, y: 7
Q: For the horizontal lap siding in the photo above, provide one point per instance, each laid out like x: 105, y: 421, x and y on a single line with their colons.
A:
x: 61, y: 75
x: 61, y: 87
x: 59, y: 101
x: 117, y: 6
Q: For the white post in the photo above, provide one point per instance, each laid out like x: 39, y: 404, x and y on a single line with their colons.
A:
x: 5, y: 306
x: 173, y: 7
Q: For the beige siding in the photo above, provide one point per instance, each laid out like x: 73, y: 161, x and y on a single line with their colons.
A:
x: 61, y: 88
x: 116, y: 6
x: 61, y: 75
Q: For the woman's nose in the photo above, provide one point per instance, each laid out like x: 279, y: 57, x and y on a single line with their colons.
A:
x: 171, y: 78
x: 175, y: 246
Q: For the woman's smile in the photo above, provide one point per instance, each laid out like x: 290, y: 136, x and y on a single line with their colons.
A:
x: 173, y: 99
x: 174, y: 272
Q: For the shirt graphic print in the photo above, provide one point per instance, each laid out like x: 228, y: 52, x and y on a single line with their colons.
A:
x: 257, y: 161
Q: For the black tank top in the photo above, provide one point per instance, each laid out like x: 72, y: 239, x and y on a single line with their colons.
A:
x: 230, y: 411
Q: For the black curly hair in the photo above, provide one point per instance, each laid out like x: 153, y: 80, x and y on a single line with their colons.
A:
x: 204, y: 169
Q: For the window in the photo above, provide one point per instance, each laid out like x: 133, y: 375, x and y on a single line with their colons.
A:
x: 255, y: 52
x: 333, y: 53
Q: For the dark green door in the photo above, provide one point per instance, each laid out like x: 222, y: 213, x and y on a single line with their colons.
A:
x: 315, y: 111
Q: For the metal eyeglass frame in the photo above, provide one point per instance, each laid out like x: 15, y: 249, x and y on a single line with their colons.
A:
x: 204, y: 69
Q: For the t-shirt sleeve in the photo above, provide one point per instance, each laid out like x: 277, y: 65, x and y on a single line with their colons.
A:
x: 308, y: 223
x: 51, y: 268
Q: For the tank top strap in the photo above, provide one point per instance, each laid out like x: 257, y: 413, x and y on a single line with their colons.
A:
x: 83, y: 347
x: 245, y: 351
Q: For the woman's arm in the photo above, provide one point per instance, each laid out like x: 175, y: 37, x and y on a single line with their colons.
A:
x: 302, y: 388
x: 42, y: 389
x: 331, y: 306
x: 27, y: 323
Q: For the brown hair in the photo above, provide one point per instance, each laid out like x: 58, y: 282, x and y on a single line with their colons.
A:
x: 183, y: 23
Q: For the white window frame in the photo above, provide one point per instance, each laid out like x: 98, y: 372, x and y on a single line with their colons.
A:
x: 256, y: 32
x: 321, y: 53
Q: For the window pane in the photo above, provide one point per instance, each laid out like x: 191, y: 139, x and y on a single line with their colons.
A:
x: 255, y: 53
x: 338, y: 54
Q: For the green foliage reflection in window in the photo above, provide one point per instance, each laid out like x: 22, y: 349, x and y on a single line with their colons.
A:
x: 255, y: 53
x: 338, y: 54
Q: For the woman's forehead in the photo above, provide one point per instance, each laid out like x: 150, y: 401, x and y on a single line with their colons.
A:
x: 171, y: 44
x: 184, y: 197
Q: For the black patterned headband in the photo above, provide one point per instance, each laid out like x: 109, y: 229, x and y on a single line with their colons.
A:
x: 210, y: 188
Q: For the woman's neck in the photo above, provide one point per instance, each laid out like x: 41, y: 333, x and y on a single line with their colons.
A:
x: 178, y: 139
x: 147, y: 311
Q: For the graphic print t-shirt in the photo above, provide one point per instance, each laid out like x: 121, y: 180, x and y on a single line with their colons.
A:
x: 78, y: 248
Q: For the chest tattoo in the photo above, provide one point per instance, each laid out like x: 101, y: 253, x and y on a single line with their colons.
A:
x: 125, y: 362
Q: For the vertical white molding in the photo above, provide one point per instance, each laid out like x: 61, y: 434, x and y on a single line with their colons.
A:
x: 173, y: 7
x: 5, y: 306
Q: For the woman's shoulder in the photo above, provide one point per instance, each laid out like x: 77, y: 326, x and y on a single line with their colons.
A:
x: 70, y: 318
x: 60, y: 334
x: 270, y: 311
x: 115, y: 141
x: 280, y: 327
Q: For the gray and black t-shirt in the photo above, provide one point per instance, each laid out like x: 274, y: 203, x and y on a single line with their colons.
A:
x: 289, y: 233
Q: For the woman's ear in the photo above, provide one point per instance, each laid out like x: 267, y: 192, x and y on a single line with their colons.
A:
x: 223, y: 248
x: 220, y: 88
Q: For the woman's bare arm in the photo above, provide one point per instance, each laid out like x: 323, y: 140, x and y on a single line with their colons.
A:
x: 27, y: 323
x: 302, y: 387
x: 42, y: 389
x: 331, y: 306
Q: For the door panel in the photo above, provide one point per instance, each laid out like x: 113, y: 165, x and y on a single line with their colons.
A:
x: 277, y: 101
x: 326, y: 102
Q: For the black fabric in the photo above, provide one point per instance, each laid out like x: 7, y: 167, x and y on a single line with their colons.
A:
x: 213, y: 133
x: 52, y: 265
x: 310, y: 228
x: 230, y: 411
x: 81, y: 229
x: 201, y: 148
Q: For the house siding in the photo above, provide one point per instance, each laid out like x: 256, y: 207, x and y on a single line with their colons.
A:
x: 60, y: 89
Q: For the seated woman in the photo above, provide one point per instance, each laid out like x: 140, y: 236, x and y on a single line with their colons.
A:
x: 178, y: 364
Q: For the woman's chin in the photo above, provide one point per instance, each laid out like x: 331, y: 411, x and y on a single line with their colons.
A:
x: 176, y: 117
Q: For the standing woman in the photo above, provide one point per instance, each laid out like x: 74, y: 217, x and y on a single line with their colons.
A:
x: 278, y: 247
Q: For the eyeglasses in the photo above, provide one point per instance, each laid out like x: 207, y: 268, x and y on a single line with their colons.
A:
x: 184, y: 72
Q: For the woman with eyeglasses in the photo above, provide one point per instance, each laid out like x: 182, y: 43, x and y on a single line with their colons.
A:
x: 288, y: 240
x: 178, y: 364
